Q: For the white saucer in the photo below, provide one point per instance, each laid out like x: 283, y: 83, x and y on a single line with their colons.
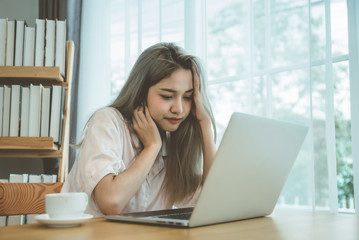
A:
x: 62, y: 222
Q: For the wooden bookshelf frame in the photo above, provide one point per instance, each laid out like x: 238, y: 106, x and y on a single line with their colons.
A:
x: 10, y: 74
x: 41, y: 147
x: 32, y: 143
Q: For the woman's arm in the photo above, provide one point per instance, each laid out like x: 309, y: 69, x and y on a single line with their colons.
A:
x: 113, y: 192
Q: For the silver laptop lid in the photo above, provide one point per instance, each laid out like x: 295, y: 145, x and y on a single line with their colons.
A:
x: 250, y: 168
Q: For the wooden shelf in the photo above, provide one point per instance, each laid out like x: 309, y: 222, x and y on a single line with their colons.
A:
x: 20, y: 153
x: 26, y: 143
x: 27, y: 75
x: 29, y: 147
x: 30, y: 201
x: 41, y: 147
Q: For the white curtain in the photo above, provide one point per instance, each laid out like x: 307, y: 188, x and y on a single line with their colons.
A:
x: 291, y: 60
x: 95, y: 71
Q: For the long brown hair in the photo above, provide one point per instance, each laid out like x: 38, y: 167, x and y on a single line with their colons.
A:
x: 184, y: 146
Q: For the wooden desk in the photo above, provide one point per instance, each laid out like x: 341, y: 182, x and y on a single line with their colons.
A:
x: 283, y: 224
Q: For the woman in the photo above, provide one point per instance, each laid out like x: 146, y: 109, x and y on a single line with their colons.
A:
x: 151, y: 149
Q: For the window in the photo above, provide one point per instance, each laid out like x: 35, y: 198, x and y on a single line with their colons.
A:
x: 283, y: 59
x: 134, y: 28
x: 289, y: 60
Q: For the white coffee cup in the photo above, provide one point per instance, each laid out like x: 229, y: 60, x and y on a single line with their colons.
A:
x: 66, y: 205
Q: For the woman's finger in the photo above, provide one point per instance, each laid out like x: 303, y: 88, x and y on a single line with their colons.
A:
x: 140, y: 114
x: 195, y: 78
x: 134, y: 122
x: 139, y: 118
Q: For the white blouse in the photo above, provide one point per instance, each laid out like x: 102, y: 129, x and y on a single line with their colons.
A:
x: 110, y: 147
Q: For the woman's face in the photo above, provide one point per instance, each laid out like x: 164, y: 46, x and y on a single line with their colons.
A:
x: 170, y: 100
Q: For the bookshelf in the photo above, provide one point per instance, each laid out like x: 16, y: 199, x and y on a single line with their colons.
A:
x: 41, y: 147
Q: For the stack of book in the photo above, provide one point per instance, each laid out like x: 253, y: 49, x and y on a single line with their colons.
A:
x: 34, y: 111
x: 42, y: 45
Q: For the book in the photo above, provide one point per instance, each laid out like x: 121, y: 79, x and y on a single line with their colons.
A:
x: 3, y: 32
x: 10, y: 43
x: 29, y: 46
x: 24, y: 114
x: 17, y: 219
x: 61, y: 117
x: 48, y: 178
x: 15, y: 111
x: 60, y: 47
x: 45, y: 112
x: 56, y: 108
x: 35, y: 110
x: 33, y: 178
x: 19, y: 178
x: 6, y: 112
x: 39, y: 42
x: 2, y: 221
x: 1, y: 107
x: 3, y: 218
x: 50, y: 43
x: 19, y: 42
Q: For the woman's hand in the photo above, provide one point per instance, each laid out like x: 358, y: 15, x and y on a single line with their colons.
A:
x: 146, y: 128
x: 199, y: 110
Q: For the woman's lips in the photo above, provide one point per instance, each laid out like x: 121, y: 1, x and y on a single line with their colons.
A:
x: 174, y: 120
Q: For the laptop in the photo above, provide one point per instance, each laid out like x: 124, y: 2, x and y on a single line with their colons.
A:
x: 245, y: 180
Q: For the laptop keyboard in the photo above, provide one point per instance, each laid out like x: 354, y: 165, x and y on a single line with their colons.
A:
x: 184, y: 216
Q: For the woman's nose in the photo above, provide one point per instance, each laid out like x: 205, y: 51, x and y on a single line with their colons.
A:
x: 177, y: 106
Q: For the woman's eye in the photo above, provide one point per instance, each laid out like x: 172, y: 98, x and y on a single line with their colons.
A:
x: 166, y: 97
x: 188, y: 97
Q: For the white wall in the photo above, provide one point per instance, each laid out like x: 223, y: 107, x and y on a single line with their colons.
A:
x: 20, y: 10
x: 27, y: 10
